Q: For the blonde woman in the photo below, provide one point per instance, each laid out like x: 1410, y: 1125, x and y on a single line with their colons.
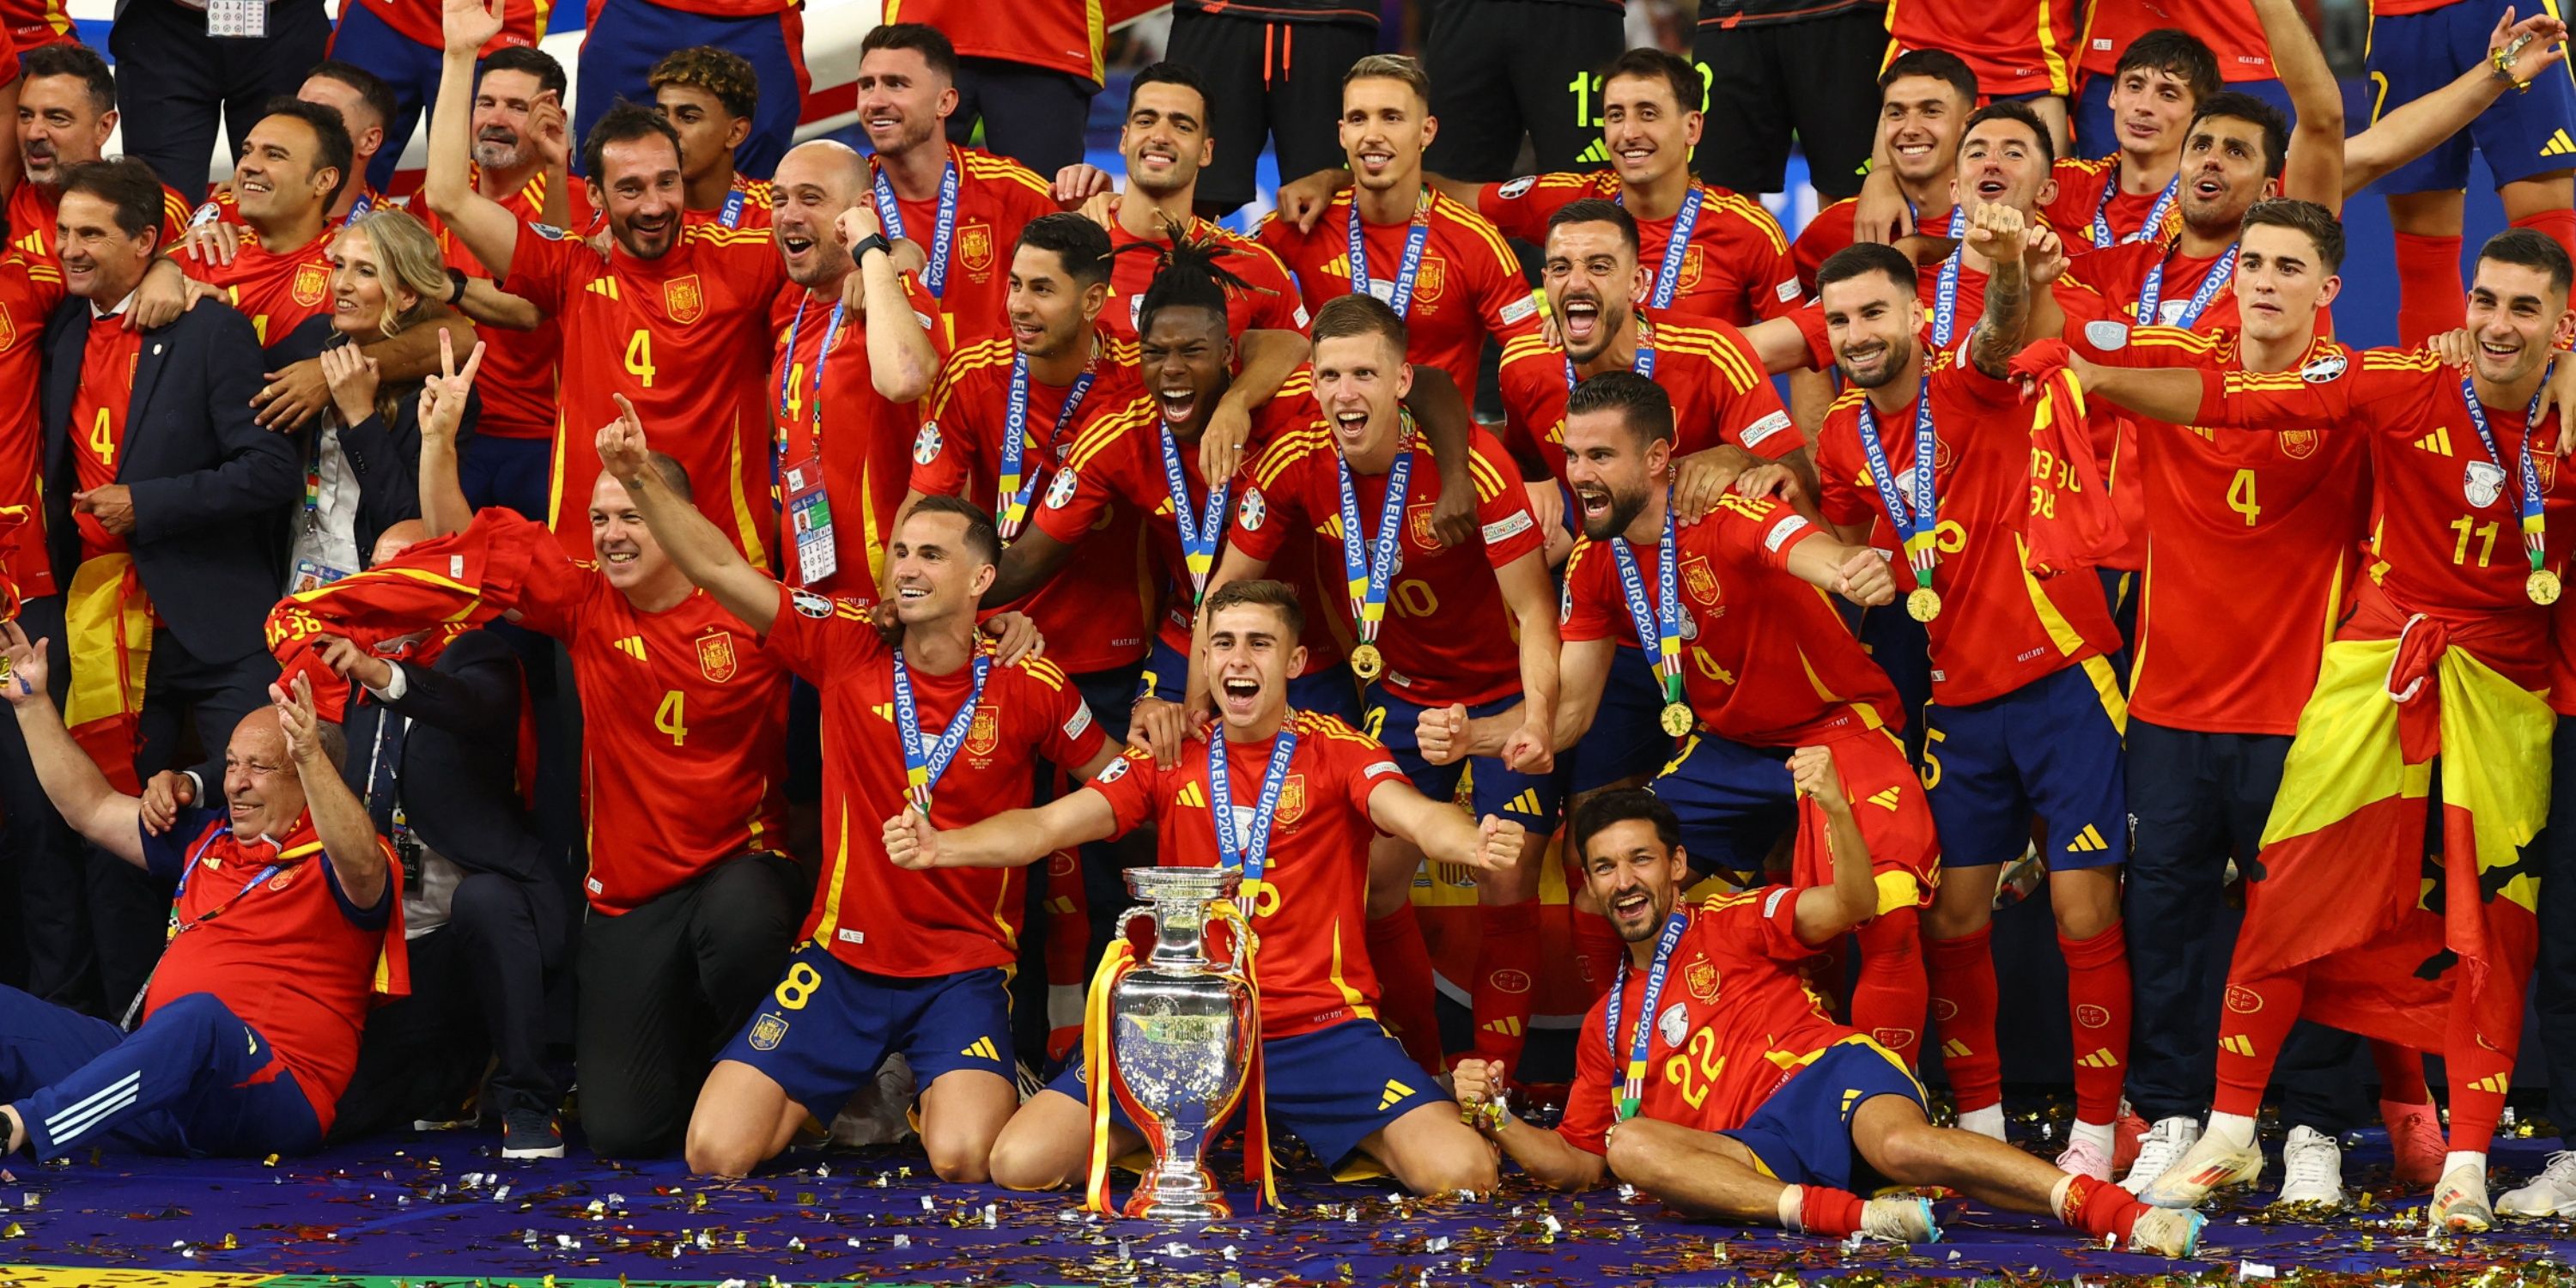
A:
x: 362, y: 464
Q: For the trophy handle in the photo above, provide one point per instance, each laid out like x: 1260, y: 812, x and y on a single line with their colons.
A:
x: 1225, y: 910
x: 1127, y: 920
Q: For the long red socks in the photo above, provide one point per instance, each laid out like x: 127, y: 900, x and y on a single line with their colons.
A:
x: 2429, y: 300
x: 1962, y: 978
x: 2097, y: 1010
x: 1890, y: 994
x: 1405, y: 1005
x: 2098, y: 1208
x: 2252, y: 1024
x: 1506, y: 977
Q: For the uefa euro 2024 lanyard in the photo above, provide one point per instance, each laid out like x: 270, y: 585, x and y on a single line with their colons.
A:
x: 1018, y: 483
x: 1632, y: 1083
x: 2542, y: 585
x: 1251, y: 854
x: 923, y: 767
x: 1368, y: 569
x: 1416, y: 235
x: 1659, y: 623
x: 934, y: 275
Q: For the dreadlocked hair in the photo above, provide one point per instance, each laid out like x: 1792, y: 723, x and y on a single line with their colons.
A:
x: 1188, y: 276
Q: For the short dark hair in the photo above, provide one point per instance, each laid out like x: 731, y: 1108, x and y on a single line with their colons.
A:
x: 1276, y: 595
x: 2237, y: 106
x: 721, y: 72
x: 919, y: 37
x: 532, y: 61
x: 2308, y: 217
x: 1594, y: 210
x: 1170, y: 73
x: 1860, y: 259
x: 125, y: 183
x: 1939, y: 64
x: 2014, y: 110
x: 2177, y: 53
x: 1082, y: 245
x: 982, y: 539
x: 624, y: 122
x: 1649, y: 63
x: 331, y: 136
x: 372, y: 89
x: 64, y: 58
x: 1624, y: 804
x: 2531, y: 248
x: 1349, y: 315
x: 1189, y: 278
x: 1641, y: 403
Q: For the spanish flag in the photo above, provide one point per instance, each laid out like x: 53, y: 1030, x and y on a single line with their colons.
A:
x: 107, y: 628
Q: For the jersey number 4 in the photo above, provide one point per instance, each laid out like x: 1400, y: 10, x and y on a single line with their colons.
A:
x: 672, y: 717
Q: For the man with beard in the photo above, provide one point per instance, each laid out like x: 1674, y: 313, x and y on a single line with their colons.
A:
x: 399, y: 41
x: 66, y: 111
x: 675, y: 316
x: 363, y: 102
x: 963, y: 206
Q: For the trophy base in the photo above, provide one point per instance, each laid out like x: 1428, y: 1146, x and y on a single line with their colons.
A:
x: 1178, y: 1197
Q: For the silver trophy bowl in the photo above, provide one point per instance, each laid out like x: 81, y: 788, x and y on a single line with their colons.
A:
x: 1181, y: 1033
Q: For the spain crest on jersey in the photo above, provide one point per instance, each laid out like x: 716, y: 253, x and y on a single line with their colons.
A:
x: 1417, y: 525
x: 1292, y: 802
x: 312, y: 282
x: 1701, y: 980
x: 1699, y: 579
x: 8, y: 330
x: 1428, y: 283
x: 766, y: 1032
x: 2298, y: 444
x: 1694, y: 263
x: 2544, y: 464
x: 683, y: 298
x: 715, y: 656
x: 986, y: 733
x: 975, y: 247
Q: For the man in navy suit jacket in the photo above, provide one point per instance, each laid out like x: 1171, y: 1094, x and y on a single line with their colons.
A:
x: 166, y: 465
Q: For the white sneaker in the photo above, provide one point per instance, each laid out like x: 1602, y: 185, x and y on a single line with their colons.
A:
x: 2084, y: 1158
x: 2159, y: 1149
x: 1899, y: 1218
x: 2312, y: 1168
x: 2210, y: 1163
x: 2460, y: 1202
x: 2552, y: 1193
x: 2171, y: 1232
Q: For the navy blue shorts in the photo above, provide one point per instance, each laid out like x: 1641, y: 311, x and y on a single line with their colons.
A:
x: 2052, y: 748
x: 2520, y: 135
x: 1736, y: 804
x: 408, y: 67
x: 1492, y: 789
x: 827, y: 1026
x: 1332, y: 1088
x: 1331, y: 691
x: 627, y: 37
x: 1802, y: 1134
x: 1627, y: 737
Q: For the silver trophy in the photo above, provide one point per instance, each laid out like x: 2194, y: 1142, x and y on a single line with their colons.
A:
x: 1182, y: 1029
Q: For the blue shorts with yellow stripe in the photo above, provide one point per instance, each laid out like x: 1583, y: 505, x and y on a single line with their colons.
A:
x: 2520, y: 135
x: 1736, y: 804
x: 1331, y: 691
x: 1802, y: 1135
x: 827, y: 1026
x: 1332, y: 1088
x: 1492, y: 788
x: 1627, y: 738
x: 2050, y: 748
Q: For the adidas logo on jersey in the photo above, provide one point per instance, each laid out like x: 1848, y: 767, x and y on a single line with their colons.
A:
x: 1393, y: 1096
x: 2088, y: 841
x: 1887, y: 799
x: 2559, y: 145
x: 632, y: 646
x: 2438, y: 442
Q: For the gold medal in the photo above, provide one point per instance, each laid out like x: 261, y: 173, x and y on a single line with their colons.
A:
x: 2542, y: 586
x: 1366, y: 662
x: 1677, y: 719
x: 1923, y: 604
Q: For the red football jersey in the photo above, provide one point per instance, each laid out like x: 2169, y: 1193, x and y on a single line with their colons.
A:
x: 2013, y: 48
x: 33, y: 206
x: 287, y: 955
x: 29, y: 290
x: 1735, y: 268
x: 996, y: 198
x: 2447, y: 538
x: 2110, y: 284
x: 1737, y: 1019
x: 686, y: 339
x: 1738, y: 557
x: 2252, y: 542
x: 1271, y: 305
x: 520, y: 368
x: 523, y: 22
x: 1831, y: 231
x: 36, y: 22
x: 868, y: 913
x: 101, y: 399
x: 861, y: 438
x: 2081, y: 181
x: 1310, y: 907
x: 2000, y: 627
x: 684, y: 743
x: 1467, y: 288
x: 1719, y: 390
x: 1064, y: 36
x: 277, y: 292
x: 1094, y: 612
x: 2228, y: 27
x: 1447, y: 635
x: 1970, y: 306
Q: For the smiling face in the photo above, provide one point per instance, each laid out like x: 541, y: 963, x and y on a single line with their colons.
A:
x: 101, y: 261
x: 901, y: 101
x: 59, y: 125
x: 2518, y: 319
x: 1049, y: 310
x: 1360, y: 383
x: 1872, y: 323
x: 1612, y: 470
x: 1919, y: 119
x: 627, y: 553
x: 2150, y: 107
x: 280, y: 175
x: 262, y: 793
x: 1186, y: 359
x: 814, y: 184
x: 2001, y: 162
x: 359, y: 287
x: 1385, y: 126
x: 502, y: 101
x: 1165, y: 139
x: 1593, y: 279
x: 2222, y: 174
x: 1647, y: 132
x: 1251, y: 654
x: 936, y: 576
x: 641, y: 177
x: 1636, y: 878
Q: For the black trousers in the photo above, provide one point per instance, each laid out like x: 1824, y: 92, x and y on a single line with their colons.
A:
x: 1504, y: 68
x: 478, y: 995
x: 188, y: 77
x: 49, y: 860
x: 1279, y: 80
x: 1815, y: 81
x: 1033, y: 115
x: 2555, y: 994
x: 665, y: 986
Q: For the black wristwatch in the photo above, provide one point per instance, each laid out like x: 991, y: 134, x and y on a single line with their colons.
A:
x: 873, y: 241
x: 456, y: 287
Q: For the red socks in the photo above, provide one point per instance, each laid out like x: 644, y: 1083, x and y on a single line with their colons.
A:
x: 1597, y: 950
x: 1405, y: 1005
x: 2401, y: 1074
x: 1506, y: 975
x: 1962, y: 979
x: 2429, y: 300
x: 2099, y: 1208
x: 2253, y: 1022
x: 1890, y: 995
x: 2560, y: 225
x: 2097, y: 1011
x: 1068, y: 941
x: 1833, y: 1213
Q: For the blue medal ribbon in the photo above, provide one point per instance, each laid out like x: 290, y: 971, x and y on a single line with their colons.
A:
x: 1914, y: 524
x: 934, y: 277
x: 922, y: 769
x: 2151, y: 295
x: 2102, y: 235
x: 1251, y: 854
x: 1660, y: 623
x: 1018, y: 484
x: 814, y: 385
x: 1668, y: 274
x: 2534, y: 519
x: 732, y: 216
x: 1632, y: 1085
x: 1415, y: 237
x: 1643, y: 364
x: 1198, y: 539
x: 1368, y: 570
x: 1945, y: 291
